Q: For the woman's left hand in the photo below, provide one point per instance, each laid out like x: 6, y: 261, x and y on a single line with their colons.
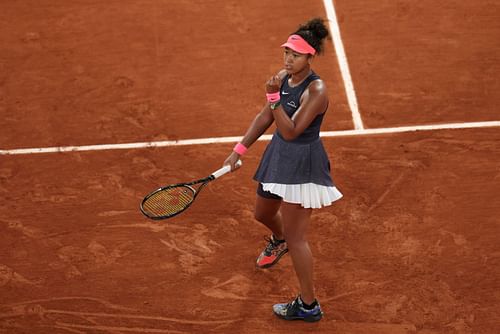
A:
x: 273, y: 85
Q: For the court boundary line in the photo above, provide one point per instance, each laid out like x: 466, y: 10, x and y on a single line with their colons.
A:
x: 338, y: 46
x: 217, y: 140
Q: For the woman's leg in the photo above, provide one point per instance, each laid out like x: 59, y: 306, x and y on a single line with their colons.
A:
x: 296, y: 222
x: 267, y: 212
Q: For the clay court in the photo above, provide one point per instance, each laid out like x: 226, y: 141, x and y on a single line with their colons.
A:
x: 413, y: 247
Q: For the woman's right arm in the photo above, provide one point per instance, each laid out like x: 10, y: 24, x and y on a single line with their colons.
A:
x: 260, y: 124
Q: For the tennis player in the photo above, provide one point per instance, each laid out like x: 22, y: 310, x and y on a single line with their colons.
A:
x: 294, y: 172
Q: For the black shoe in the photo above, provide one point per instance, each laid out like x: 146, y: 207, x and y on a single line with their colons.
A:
x: 296, y: 311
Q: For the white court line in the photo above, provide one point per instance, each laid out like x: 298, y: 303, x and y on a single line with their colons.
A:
x: 344, y: 66
x: 204, y: 141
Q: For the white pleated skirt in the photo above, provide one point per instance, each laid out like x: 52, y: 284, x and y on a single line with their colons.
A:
x: 309, y: 195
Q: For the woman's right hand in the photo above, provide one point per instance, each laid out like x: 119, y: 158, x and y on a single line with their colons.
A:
x: 231, y: 161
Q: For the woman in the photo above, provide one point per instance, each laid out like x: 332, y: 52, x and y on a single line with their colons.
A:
x: 294, y: 172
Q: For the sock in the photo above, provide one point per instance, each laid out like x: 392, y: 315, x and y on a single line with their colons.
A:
x: 278, y: 240
x: 309, y: 306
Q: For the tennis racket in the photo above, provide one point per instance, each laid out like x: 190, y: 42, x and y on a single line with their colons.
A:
x: 173, y: 199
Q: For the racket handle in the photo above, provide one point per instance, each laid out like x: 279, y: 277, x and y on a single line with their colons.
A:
x: 226, y: 169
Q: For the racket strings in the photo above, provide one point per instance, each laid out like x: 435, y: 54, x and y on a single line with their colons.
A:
x: 169, y: 201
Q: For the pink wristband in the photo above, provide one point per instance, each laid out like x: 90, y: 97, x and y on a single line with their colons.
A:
x: 273, y: 97
x: 240, y: 149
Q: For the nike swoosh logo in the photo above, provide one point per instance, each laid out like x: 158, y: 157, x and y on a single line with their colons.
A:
x: 285, y: 93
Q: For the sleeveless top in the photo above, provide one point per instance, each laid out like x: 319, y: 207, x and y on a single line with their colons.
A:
x: 290, y: 102
x: 302, y: 160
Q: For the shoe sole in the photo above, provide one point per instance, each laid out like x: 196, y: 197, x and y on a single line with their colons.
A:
x: 265, y: 266
x: 308, y: 319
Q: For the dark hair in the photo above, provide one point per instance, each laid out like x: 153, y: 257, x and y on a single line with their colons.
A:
x: 314, y: 32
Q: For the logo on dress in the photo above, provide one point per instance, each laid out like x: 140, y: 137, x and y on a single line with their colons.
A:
x: 292, y: 104
x: 285, y: 93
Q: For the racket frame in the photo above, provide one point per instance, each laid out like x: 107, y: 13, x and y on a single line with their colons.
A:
x: 188, y: 185
x: 204, y: 181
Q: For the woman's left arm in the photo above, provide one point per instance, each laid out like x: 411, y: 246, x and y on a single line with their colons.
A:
x: 314, y: 101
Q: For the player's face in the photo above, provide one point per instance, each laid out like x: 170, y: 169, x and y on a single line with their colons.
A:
x: 294, y: 62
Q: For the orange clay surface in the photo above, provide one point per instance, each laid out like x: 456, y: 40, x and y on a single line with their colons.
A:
x: 413, y: 247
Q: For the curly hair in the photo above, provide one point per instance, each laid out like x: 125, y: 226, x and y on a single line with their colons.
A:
x: 314, y: 32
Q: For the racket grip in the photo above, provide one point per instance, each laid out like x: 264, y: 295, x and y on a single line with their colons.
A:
x: 226, y: 169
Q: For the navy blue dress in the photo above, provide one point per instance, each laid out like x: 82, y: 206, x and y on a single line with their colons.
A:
x: 298, y: 161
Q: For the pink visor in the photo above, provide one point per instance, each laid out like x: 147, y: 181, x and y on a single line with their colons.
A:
x: 298, y: 44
